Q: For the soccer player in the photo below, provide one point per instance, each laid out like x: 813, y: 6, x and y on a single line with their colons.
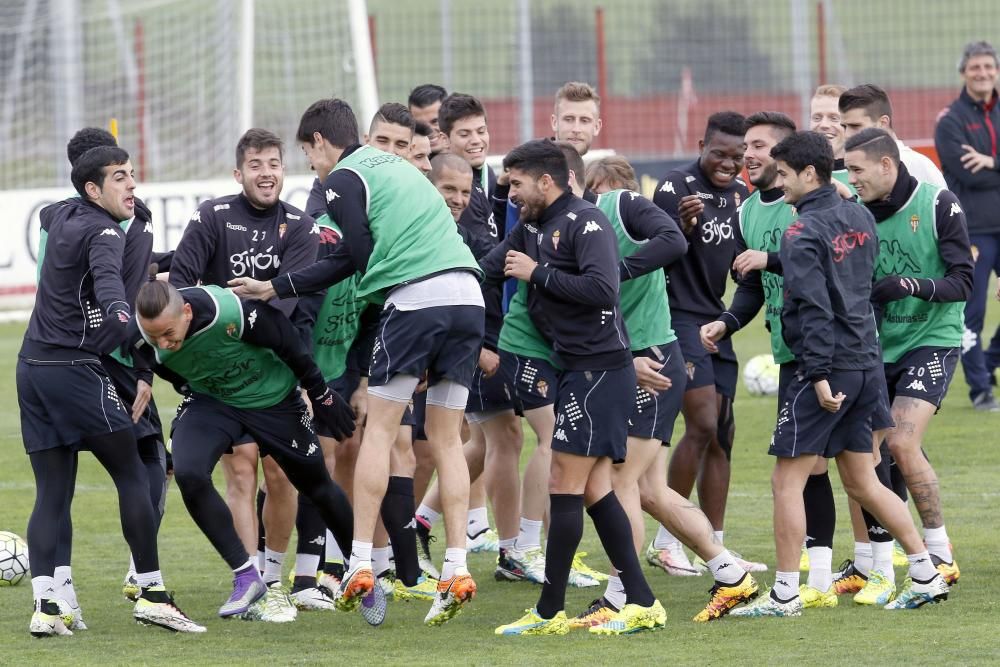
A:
x: 828, y: 255
x: 239, y: 365
x: 577, y: 115
x: 67, y: 400
x: 824, y: 117
x: 391, y: 129
x: 420, y: 147
x: 703, y: 198
x: 424, y: 103
x: 565, y: 247
x: 399, y: 234
x: 922, y: 278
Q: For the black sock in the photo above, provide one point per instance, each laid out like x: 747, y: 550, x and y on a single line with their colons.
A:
x: 302, y: 583
x: 311, y: 532
x: 615, y: 531
x: 565, y: 532
x: 890, y: 474
x: 397, y: 515
x: 821, y: 511
x: 261, y: 542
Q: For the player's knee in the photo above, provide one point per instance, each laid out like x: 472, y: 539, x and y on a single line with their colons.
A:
x: 191, y: 481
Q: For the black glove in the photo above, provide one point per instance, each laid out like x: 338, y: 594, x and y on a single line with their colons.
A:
x: 894, y: 288
x: 331, y: 409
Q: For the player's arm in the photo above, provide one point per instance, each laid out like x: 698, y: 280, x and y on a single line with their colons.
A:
x: 806, y: 290
x: 299, y: 252
x: 597, y: 258
x: 673, y: 195
x: 644, y: 221
x: 195, y: 249
x: 493, y: 263
x: 749, y: 296
x: 949, y: 137
x: 105, y: 250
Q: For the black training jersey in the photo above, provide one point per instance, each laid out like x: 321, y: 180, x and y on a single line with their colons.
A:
x: 697, y: 282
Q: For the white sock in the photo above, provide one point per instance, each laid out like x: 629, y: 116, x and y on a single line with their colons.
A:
x: 882, y: 559
x: 479, y: 521
x: 507, y: 545
x: 149, y: 579
x: 820, y: 568
x: 245, y: 565
x: 454, y: 559
x: 131, y: 564
x: 863, y: 557
x: 333, y: 553
x: 380, y: 560
x: 615, y: 592
x: 529, y: 535
x: 64, y: 579
x: 273, y: 560
x: 937, y: 543
x: 261, y: 561
x: 921, y: 567
x: 786, y: 586
x: 44, y: 588
x: 718, y: 536
x: 664, y: 539
x: 428, y: 516
x: 306, y: 565
x: 361, y: 555
x: 725, y: 569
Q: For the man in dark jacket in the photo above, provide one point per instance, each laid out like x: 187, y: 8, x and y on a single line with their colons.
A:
x: 966, y: 141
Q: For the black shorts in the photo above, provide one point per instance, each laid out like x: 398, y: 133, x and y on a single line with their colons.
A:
x: 592, y: 411
x: 804, y: 427
x: 881, y: 417
x: 654, y: 416
x: 923, y: 372
x: 489, y: 394
x: 443, y: 342
x: 126, y: 380
x: 61, y: 405
x: 705, y: 369
x: 534, y: 382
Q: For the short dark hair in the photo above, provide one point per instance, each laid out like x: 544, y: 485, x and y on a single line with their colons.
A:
x: 154, y: 297
x: 333, y: 119
x: 806, y: 148
x: 425, y: 95
x: 868, y: 97
x: 875, y: 143
x: 779, y: 121
x: 726, y: 122
x: 393, y: 113
x: 537, y: 157
x: 443, y: 161
x: 457, y: 106
x: 423, y: 129
x: 574, y: 162
x: 87, y: 138
x: 258, y: 139
x: 89, y: 168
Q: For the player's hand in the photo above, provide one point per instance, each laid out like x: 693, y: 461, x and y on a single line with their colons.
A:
x: 975, y: 161
x: 842, y: 190
x: 750, y: 260
x: 331, y: 409
x: 827, y: 400
x: 248, y: 288
x: 143, y: 394
x: 518, y: 265
x: 688, y: 211
x: 894, y: 288
x: 422, y: 385
x: 489, y: 362
x: 359, y: 402
x: 711, y: 333
x: 648, y: 377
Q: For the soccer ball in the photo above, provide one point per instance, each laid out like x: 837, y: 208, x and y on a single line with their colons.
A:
x: 760, y: 376
x: 13, y: 559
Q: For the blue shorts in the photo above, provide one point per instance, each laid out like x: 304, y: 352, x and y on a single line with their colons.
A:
x: 592, y: 412
x: 804, y: 427
x: 654, y: 416
x: 881, y: 417
x: 534, y: 382
x: 63, y: 405
x: 923, y: 372
x: 704, y: 368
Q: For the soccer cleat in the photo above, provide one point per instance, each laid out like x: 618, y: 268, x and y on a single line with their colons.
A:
x: 484, y: 541
x: 507, y: 568
x: 387, y: 580
x: 533, y: 624
x: 373, y: 606
x: 130, y: 587
x: 424, y: 589
x: 766, y: 605
x: 632, y: 619
x: 899, y: 558
x: 356, y: 585
x: 312, y: 599
x: 275, y: 607
x: 804, y: 561
x: 600, y: 611
x: 748, y: 565
x: 75, y: 615
x: 671, y: 560
x: 517, y: 565
x: 813, y: 598
x: 47, y: 620
x: 424, y: 558
x: 328, y: 584
x: 156, y: 607
x: 582, y: 575
x: 451, y: 595
x: 949, y: 571
x: 727, y: 596
x: 248, y: 587
x: 916, y: 594
x: 878, y: 590
x: 848, y: 580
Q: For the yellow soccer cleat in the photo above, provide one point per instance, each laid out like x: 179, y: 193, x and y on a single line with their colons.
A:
x: 949, y: 571
x: 813, y: 598
x: 600, y: 611
x: 804, y: 561
x: 848, y: 581
x: 879, y: 590
x: 725, y: 597
x: 424, y: 589
x: 534, y: 625
x: 585, y: 572
x: 899, y: 558
x: 632, y: 619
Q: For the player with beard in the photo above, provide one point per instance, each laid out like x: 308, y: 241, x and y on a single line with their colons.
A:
x: 252, y: 234
x: 577, y: 115
x: 703, y: 197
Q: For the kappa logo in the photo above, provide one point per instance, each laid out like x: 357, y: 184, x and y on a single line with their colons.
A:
x: 315, y: 229
x: 318, y: 540
x: 591, y: 226
x: 917, y: 385
x: 689, y: 368
x: 109, y: 232
x: 955, y: 208
x: 668, y: 186
x: 412, y: 525
x: 330, y: 196
x: 252, y: 320
x: 295, y: 444
x: 312, y: 449
x: 148, y: 228
x: 196, y: 217
x: 878, y: 530
x: 560, y: 435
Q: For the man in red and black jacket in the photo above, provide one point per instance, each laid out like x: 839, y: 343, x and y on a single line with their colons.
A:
x: 966, y: 141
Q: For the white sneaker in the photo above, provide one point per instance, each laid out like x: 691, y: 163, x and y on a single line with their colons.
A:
x: 484, y: 541
x: 47, y: 620
x: 671, y: 560
x: 312, y: 599
x: 77, y: 616
x: 275, y: 607
x: 748, y: 565
x: 164, y: 614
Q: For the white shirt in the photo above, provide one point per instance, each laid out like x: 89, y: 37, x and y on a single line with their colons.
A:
x: 920, y: 166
